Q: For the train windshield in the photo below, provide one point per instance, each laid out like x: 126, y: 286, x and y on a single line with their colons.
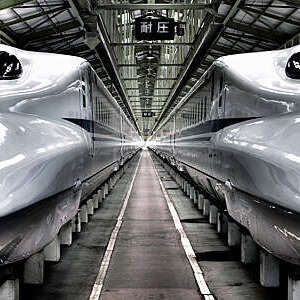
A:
x: 292, y: 68
x: 10, y: 66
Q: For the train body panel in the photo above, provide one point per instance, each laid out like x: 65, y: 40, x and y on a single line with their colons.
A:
x: 62, y: 134
x: 50, y: 163
x: 262, y: 158
x: 237, y: 136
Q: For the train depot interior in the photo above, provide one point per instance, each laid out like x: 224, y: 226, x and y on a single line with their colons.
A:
x: 149, y: 149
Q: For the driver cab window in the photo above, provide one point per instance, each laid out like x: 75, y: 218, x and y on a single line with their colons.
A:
x: 10, y: 66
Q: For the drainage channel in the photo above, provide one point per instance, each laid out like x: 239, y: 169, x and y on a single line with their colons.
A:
x: 229, y: 273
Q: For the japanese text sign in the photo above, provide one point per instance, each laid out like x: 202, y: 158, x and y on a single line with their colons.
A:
x: 154, y: 29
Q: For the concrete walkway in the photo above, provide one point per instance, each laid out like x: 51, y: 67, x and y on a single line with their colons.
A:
x: 148, y: 261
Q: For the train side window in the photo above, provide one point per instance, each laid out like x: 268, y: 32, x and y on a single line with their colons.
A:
x: 10, y: 66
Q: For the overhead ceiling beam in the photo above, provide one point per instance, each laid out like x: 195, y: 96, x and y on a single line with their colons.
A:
x: 76, y: 12
x: 147, y: 96
x: 52, y: 30
x: 225, y: 50
x: 147, y: 63
x: 295, y: 3
x: 9, y: 40
x: 271, y: 15
x: 243, y: 40
x: 161, y: 78
x: 24, y: 19
x: 57, y: 40
x: 143, y: 44
x: 172, y: 6
x: 128, y: 89
x: 108, y: 59
x: 276, y: 38
x: 202, y: 45
x: 207, y: 37
x: 77, y: 49
x: 4, y: 4
x: 105, y: 55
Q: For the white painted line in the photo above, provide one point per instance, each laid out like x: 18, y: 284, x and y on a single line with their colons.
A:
x: 198, y: 273
x: 98, y: 285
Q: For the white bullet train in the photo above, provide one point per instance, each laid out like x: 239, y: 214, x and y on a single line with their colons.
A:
x: 237, y: 134
x: 62, y: 134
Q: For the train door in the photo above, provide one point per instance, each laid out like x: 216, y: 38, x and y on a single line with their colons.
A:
x: 221, y: 96
x: 173, y: 137
x: 87, y: 105
x: 216, y: 160
x: 122, y: 137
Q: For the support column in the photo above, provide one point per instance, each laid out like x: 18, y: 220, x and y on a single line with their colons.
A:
x: 206, y: 208
x: 234, y: 235
x: 83, y: 214
x: 65, y: 235
x: 95, y: 201
x: 249, y: 252
x: 222, y: 223
x: 90, y: 207
x: 73, y: 221
x: 9, y: 290
x: 52, y: 251
x: 100, y: 195
x: 188, y: 190
x: 195, y: 198
x: 192, y: 192
x: 294, y: 286
x: 200, y: 201
x: 269, y: 270
x: 110, y: 184
x: 182, y: 184
x: 213, y: 215
x: 103, y: 193
x: 34, y: 269
x: 78, y: 222
x: 106, y: 189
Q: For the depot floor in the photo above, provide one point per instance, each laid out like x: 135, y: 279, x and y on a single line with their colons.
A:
x: 148, y: 261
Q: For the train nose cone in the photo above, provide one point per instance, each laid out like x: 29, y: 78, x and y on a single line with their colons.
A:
x: 262, y: 157
x: 36, y: 159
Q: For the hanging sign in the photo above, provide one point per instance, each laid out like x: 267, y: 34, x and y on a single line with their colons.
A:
x: 148, y: 114
x: 180, y: 26
x: 154, y: 29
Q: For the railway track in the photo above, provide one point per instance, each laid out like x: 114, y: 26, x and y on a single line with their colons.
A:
x: 234, y: 266
x: 44, y: 273
x: 229, y: 270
